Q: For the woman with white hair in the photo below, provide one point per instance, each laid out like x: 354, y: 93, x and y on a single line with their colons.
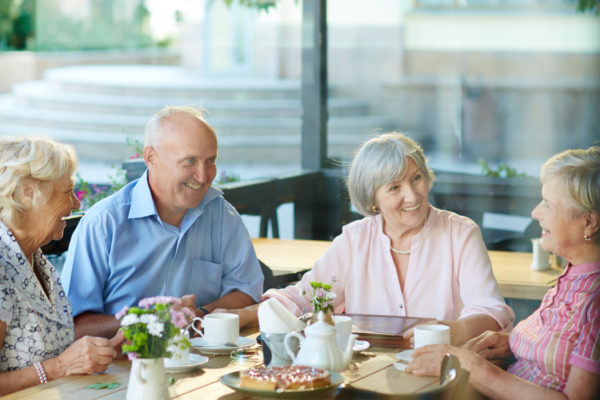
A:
x: 557, y: 348
x: 406, y: 257
x: 36, y: 326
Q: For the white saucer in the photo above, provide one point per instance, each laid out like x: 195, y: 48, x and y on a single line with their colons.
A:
x: 405, y: 355
x: 194, y: 361
x: 360, y: 345
x: 200, y: 344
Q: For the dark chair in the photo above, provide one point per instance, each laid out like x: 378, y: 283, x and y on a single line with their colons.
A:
x: 57, y: 247
x: 453, y: 384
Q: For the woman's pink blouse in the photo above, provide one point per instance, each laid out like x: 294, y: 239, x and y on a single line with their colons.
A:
x: 449, y: 274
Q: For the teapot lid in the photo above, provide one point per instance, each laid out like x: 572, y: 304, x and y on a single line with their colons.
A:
x: 320, y: 327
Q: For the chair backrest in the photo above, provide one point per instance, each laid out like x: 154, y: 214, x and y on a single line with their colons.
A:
x: 57, y: 247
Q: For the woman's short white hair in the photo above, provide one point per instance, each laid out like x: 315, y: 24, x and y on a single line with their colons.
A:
x: 34, y: 161
x: 154, y: 125
x: 580, y: 171
x: 379, y: 162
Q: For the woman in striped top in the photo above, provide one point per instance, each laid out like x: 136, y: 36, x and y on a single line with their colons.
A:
x: 557, y: 348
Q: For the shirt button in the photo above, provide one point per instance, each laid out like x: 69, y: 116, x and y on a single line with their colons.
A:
x: 401, y: 306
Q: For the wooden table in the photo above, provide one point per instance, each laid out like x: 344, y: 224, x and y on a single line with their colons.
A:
x: 512, y: 270
x: 372, y: 370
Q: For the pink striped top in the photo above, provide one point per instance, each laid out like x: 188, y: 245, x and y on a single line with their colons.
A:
x: 563, y: 332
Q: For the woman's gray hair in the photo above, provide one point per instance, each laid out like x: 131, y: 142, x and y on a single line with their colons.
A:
x: 580, y: 171
x: 379, y: 162
x: 154, y: 125
x: 34, y: 161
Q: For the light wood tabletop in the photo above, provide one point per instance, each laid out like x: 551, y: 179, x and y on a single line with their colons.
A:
x: 371, y: 369
x: 515, y: 277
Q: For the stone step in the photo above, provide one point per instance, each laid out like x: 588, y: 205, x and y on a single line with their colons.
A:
x: 13, y: 113
x: 247, y: 149
x: 174, y: 82
x: 40, y: 94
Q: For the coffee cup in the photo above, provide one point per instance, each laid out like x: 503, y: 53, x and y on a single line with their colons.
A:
x: 218, y: 328
x: 431, y: 334
x: 343, y: 326
x: 179, y: 349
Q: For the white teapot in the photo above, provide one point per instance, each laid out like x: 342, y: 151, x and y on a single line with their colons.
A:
x: 319, y: 349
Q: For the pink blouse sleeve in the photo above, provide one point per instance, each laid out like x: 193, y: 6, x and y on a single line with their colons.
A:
x: 478, y: 287
x: 334, y: 264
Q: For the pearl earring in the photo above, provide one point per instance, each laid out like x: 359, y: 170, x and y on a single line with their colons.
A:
x: 587, y: 238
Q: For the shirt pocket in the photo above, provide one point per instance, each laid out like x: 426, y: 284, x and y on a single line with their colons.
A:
x: 206, y: 281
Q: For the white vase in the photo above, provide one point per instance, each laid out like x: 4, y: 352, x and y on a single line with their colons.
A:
x: 147, y: 380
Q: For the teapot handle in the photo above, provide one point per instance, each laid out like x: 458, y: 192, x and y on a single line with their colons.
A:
x: 287, y: 346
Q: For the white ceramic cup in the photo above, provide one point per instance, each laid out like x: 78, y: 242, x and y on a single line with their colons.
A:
x: 431, y: 334
x: 219, y: 328
x: 343, y: 326
x: 179, y: 355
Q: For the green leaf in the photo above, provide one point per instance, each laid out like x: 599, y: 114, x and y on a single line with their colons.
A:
x: 104, y: 385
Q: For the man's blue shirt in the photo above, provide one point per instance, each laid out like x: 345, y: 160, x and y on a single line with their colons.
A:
x: 122, y: 252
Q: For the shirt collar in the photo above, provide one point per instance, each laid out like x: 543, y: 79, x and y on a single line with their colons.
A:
x: 142, y: 203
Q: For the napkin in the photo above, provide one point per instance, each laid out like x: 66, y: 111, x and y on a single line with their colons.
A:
x: 273, y: 317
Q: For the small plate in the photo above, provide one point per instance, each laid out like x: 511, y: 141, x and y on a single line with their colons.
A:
x: 405, y: 355
x: 194, y: 361
x: 199, y: 344
x: 360, y: 345
x: 233, y: 381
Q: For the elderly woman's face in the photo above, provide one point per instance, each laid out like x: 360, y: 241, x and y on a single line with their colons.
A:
x: 59, y: 202
x: 403, y: 203
x: 562, y: 233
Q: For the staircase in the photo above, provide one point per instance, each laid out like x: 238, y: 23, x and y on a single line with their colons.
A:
x: 98, y: 108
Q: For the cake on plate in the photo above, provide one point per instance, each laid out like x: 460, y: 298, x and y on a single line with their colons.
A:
x: 292, y: 377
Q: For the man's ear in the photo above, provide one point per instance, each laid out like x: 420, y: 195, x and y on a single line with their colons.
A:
x: 149, y: 156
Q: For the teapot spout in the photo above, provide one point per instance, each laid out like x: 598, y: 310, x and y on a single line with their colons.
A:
x: 348, y: 351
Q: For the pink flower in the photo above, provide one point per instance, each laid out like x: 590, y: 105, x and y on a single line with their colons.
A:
x: 80, y: 195
x: 132, y: 355
x: 148, y: 301
x: 122, y: 313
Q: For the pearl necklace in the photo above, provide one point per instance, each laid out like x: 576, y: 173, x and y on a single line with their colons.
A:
x: 406, y: 252
x: 395, y: 250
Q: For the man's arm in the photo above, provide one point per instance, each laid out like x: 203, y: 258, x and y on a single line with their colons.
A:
x: 93, y: 324
x: 235, y: 299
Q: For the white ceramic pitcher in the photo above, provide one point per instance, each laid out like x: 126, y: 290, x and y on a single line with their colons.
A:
x: 147, y: 380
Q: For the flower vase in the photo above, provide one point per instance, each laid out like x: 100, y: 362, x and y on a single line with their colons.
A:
x: 147, y: 380
x: 328, y: 317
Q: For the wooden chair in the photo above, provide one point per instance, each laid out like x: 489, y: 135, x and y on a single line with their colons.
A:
x: 453, y: 384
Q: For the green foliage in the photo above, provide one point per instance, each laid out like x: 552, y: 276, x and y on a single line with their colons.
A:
x: 589, y: 6
x: 260, y: 5
x: 90, y: 193
x: 104, y: 385
x: 228, y: 176
x: 503, y: 170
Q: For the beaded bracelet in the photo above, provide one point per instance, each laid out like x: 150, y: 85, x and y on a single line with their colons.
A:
x: 41, y: 373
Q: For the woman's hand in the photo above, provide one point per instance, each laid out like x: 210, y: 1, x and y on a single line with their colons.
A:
x: 427, y: 360
x: 87, y: 355
x: 491, y: 345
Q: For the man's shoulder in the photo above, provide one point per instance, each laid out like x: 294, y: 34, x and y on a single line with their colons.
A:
x: 115, y: 207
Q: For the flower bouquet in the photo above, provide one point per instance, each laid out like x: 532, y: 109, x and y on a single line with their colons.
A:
x: 321, y: 299
x: 150, y: 328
